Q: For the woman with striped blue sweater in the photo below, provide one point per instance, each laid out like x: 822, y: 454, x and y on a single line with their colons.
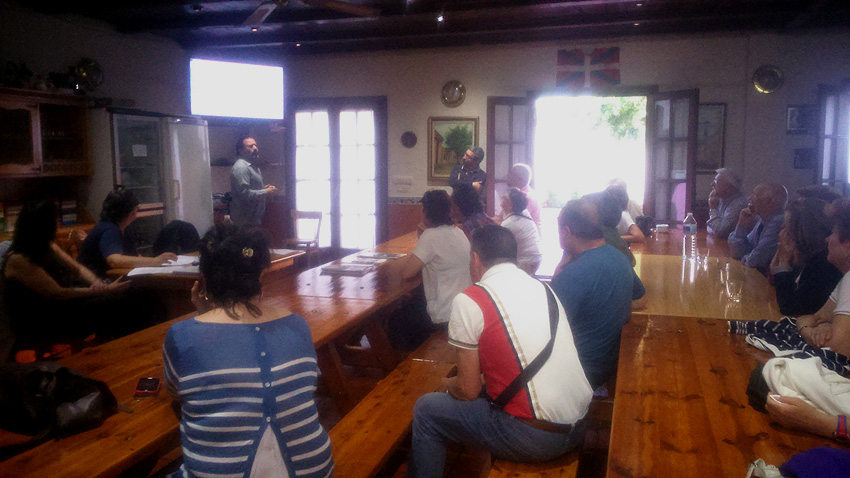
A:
x: 244, y: 371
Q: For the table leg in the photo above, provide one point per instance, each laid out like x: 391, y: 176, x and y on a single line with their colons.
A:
x: 333, y: 373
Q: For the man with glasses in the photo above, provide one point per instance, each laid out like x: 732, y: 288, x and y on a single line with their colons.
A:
x: 726, y: 201
x: 469, y: 172
x: 247, y: 187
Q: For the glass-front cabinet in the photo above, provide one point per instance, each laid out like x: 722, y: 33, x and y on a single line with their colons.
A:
x: 43, y: 134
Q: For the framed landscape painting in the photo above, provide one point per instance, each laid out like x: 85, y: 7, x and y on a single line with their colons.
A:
x: 448, y: 139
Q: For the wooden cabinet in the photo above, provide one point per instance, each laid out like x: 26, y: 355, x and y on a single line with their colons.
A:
x: 43, y: 134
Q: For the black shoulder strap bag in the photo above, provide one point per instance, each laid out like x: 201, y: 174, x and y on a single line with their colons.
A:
x: 531, y: 370
x: 46, y: 400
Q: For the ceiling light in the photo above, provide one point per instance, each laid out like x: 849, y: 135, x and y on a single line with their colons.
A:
x: 639, y: 4
x: 255, y: 29
x: 197, y: 8
x: 637, y: 24
x: 297, y: 44
x: 440, y: 18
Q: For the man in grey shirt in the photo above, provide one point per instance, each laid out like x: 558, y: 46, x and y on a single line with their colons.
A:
x: 726, y: 201
x: 246, y: 186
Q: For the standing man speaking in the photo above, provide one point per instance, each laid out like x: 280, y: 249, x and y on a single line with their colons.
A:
x: 246, y: 185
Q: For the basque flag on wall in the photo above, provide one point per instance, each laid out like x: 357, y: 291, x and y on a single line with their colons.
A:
x: 578, y: 68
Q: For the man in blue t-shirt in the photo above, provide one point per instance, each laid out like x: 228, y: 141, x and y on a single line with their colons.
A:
x: 597, y: 288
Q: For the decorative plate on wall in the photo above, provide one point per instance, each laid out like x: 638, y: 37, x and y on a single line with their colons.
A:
x: 408, y: 139
x: 453, y: 93
x: 767, y: 79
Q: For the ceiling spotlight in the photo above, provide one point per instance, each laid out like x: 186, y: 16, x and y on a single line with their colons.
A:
x: 255, y: 29
x: 297, y: 44
x: 637, y: 24
x: 440, y: 18
x: 639, y: 4
x: 197, y: 8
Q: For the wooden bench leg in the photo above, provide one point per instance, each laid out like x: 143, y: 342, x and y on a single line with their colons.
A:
x: 333, y: 373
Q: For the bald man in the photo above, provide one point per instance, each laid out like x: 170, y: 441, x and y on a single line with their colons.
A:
x: 755, y: 237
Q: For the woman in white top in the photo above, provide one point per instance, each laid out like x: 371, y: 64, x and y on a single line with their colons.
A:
x: 524, y: 229
x: 442, y: 255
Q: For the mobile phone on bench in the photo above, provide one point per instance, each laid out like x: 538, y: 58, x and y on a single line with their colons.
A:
x: 147, y: 387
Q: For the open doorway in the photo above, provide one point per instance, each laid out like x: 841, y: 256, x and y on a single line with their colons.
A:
x: 581, y: 143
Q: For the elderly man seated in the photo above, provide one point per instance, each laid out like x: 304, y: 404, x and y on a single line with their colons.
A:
x: 725, y: 201
x: 755, y: 238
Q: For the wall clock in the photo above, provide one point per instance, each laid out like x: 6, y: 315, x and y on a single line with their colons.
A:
x: 453, y: 93
x: 767, y: 79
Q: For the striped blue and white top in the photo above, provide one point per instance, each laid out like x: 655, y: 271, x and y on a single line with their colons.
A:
x: 246, y: 392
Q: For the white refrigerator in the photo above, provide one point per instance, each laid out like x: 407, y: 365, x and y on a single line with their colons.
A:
x: 165, y: 161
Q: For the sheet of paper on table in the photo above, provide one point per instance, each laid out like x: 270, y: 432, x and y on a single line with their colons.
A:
x: 346, y: 269
x: 182, y: 261
x: 283, y: 252
x: 379, y: 255
x: 176, y: 270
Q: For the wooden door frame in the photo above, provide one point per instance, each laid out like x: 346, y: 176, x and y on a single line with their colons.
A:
x: 690, y: 173
x: 334, y: 105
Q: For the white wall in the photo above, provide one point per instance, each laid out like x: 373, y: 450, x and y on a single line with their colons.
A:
x: 719, y: 65
x: 149, y: 70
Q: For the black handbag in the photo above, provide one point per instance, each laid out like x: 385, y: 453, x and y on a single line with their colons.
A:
x: 46, y: 400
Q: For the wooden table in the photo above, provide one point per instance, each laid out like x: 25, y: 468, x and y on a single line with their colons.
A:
x: 381, y: 289
x: 126, y: 439
x: 681, y: 408
x: 173, y: 290
x: 672, y: 243
x: 684, y: 288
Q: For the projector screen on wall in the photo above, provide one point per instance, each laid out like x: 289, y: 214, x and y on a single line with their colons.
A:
x: 239, y: 90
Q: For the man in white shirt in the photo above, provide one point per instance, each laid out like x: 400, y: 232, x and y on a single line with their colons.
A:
x: 499, y: 327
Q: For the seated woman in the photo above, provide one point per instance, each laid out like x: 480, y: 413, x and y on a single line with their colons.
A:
x: 472, y: 211
x: 802, y: 275
x: 46, y: 293
x: 105, y: 247
x: 442, y: 255
x: 514, y: 202
x: 826, y: 333
x: 243, y: 372
x: 830, y: 325
x: 626, y: 227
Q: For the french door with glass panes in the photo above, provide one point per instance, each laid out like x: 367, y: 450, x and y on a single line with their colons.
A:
x: 340, y: 167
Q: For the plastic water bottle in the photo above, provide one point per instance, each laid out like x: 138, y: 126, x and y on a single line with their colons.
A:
x: 689, y: 227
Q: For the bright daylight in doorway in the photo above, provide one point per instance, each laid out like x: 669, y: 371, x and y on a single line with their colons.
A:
x: 580, y: 144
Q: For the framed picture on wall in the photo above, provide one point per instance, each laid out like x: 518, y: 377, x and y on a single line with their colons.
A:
x: 711, y: 135
x: 801, y: 119
x: 448, y: 139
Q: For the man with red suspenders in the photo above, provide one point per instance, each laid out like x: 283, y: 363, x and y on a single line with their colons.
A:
x: 511, y: 329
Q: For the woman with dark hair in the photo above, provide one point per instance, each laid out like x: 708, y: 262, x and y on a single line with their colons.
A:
x: 105, y: 248
x: 802, y: 275
x: 243, y: 372
x: 524, y: 230
x: 442, y: 255
x: 44, y: 291
x: 469, y: 205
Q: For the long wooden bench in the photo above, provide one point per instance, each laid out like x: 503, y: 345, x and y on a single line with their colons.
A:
x: 563, y: 467
x: 366, y: 437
